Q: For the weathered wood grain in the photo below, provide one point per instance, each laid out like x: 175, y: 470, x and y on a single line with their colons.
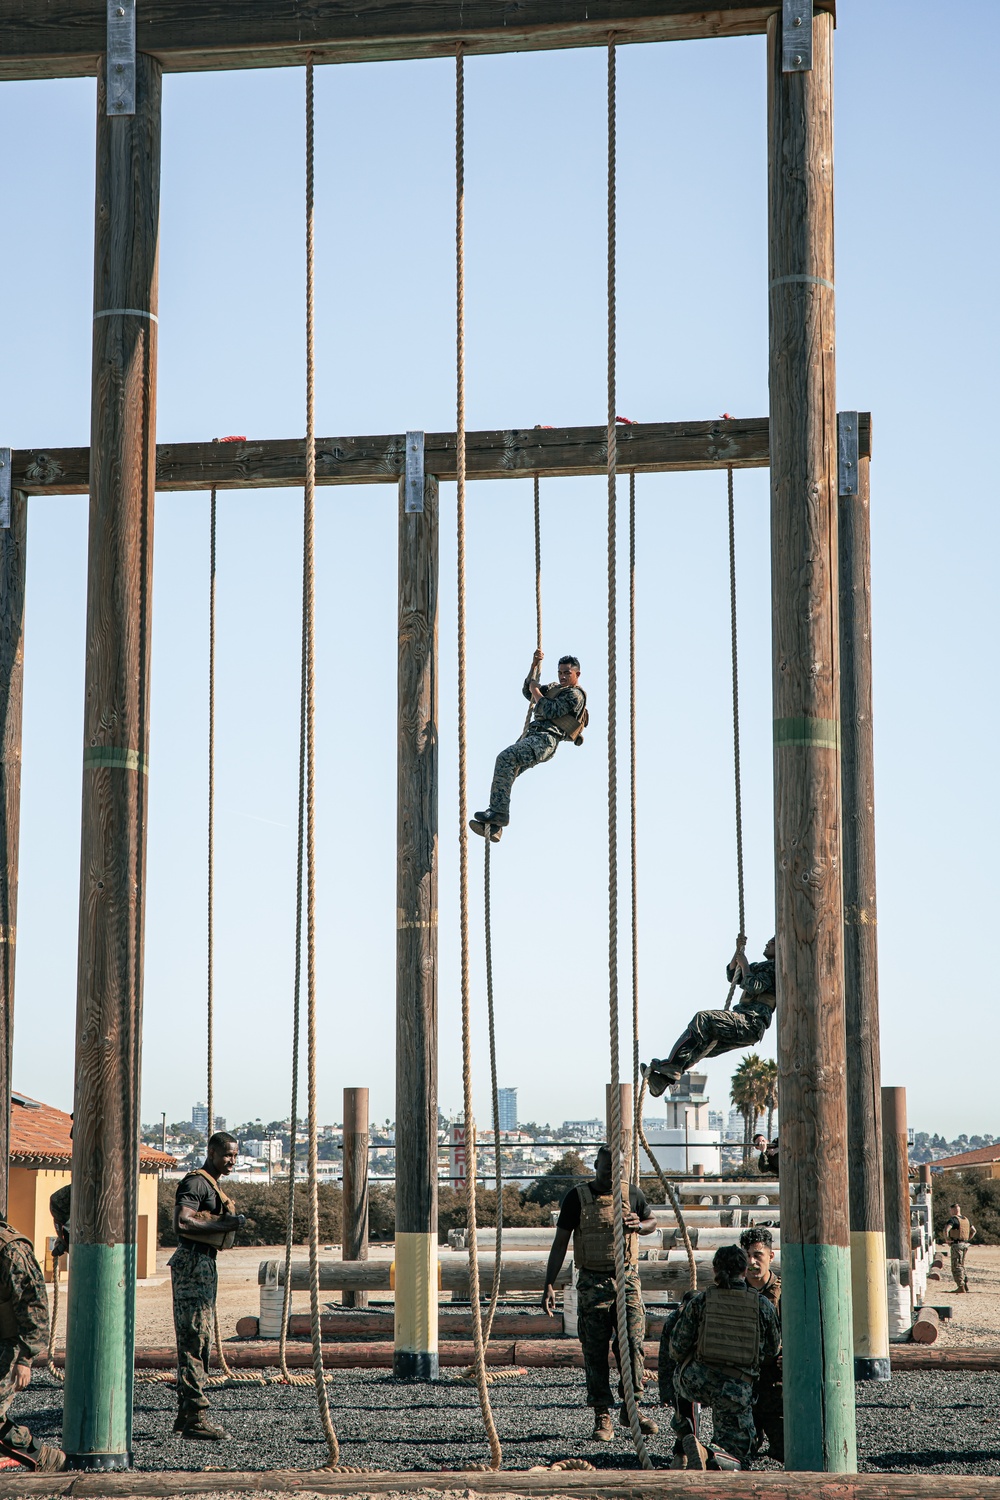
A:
x: 355, y: 1185
x: 514, y: 453
x: 896, y: 1174
x: 64, y: 38
x: 416, y: 869
x: 115, y: 753
x: 13, y: 562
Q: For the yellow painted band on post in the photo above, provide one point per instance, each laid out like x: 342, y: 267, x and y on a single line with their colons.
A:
x: 415, y: 1278
x: 868, y: 1294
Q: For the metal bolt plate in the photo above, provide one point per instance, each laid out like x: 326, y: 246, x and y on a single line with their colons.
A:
x: 847, y: 453
x: 121, y: 57
x: 796, y: 36
x: 414, y: 486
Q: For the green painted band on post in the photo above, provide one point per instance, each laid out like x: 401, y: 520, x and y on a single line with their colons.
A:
x: 98, y: 757
x: 823, y: 733
x: 96, y: 1417
x: 817, y: 1341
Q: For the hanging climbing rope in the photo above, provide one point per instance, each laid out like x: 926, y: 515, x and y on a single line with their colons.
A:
x: 742, y: 936
x: 616, y: 1119
x: 634, y: 884
x: 535, y: 670
x: 482, y: 1386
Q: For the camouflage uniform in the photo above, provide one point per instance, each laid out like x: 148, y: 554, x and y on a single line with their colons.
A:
x: 535, y: 747
x: 718, y: 1031
x: 24, y: 1309
x: 959, y: 1250
x: 729, y: 1397
x: 768, y: 1404
x: 194, y: 1278
x: 598, y: 1326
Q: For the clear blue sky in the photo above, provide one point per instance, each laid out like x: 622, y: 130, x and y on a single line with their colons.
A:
x: 916, y: 148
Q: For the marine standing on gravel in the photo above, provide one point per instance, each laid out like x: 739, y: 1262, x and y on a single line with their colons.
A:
x: 768, y: 1399
x: 559, y: 713
x: 206, y: 1222
x: 718, y: 1343
x: 24, y: 1334
x: 587, y: 1213
x: 961, y: 1232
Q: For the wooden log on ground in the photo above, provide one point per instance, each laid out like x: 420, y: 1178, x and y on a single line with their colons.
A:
x: 604, y: 1484
x: 63, y: 38
x: 13, y: 563
x: 926, y: 1326
x: 279, y: 463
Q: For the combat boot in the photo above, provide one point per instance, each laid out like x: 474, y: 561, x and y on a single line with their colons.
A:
x: 696, y: 1455
x: 603, y: 1432
x: 677, y: 1458
x: 646, y: 1424
x: 488, y: 818
x: 200, y: 1429
x: 718, y: 1458
x: 659, y: 1075
x: 49, y: 1460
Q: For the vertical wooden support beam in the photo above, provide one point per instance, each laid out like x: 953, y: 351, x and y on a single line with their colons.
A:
x: 354, y: 1235
x: 815, y: 1244
x: 13, y: 562
x: 896, y: 1169
x: 857, y: 783
x: 416, y: 1322
x: 98, y: 1399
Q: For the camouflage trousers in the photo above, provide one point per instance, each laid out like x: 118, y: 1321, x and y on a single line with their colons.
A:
x: 769, y: 1413
x: 731, y: 1402
x: 194, y: 1283
x: 12, y: 1434
x: 598, y: 1327
x: 532, y: 750
x: 959, y: 1250
x: 718, y: 1031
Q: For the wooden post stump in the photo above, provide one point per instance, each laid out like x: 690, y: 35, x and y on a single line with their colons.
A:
x: 354, y: 1236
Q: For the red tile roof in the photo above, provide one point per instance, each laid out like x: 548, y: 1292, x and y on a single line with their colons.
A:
x: 978, y: 1158
x: 40, y: 1133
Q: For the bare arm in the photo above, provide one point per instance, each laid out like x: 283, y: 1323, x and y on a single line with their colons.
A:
x: 195, y: 1222
x: 557, y: 1255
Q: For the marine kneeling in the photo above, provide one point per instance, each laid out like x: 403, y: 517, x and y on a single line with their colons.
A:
x: 206, y: 1222
x: 717, y: 1345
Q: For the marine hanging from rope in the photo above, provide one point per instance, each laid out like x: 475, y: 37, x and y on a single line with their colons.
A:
x: 559, y: 712
x: 718, y: 1031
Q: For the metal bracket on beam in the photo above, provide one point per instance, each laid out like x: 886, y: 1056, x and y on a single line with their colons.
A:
x: 847, y: 453
x: 5, y: 473
x: 413, y: 492
x: 796, y: 36
x: 121, y: 57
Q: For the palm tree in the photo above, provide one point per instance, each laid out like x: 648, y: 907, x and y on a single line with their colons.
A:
x: 748, y: 1094
x: 769, y: 1077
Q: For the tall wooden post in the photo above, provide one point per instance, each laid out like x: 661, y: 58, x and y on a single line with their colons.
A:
x: 896, y: 1170
x: 354, y: 1235
x: 416, y: 1321
x: 815, y: 1244
x: 101, y: 1310
x: 13, y: 561
x: 857, y: 784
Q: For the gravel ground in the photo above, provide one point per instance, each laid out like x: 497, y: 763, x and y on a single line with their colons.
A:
x: 931, y: 1421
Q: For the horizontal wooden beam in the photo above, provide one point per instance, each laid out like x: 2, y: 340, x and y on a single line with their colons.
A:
x: 560, y: 452
x: 64, y: 38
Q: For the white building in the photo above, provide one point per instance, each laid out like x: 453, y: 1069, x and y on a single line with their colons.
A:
x: 685, y: 1140
x: 263, y: 1150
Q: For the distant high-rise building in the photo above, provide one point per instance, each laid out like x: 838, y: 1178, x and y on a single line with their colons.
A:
x: 507, y: 1107
x: 220, y: 1120
x: 199, y: 1117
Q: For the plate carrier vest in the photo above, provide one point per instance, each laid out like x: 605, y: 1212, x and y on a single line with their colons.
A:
x: 570, y: 726
x: 10, y: 1330
x: 729, y: 1336
x: 959, y: 1231
x: 225, y: 1239
x: 594, y: 1241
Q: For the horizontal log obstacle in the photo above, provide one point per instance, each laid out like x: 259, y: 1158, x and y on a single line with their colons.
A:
x: 452, y: 1324
x: 646, y: 447
x: 605, y: 1484
x: 517, y: 1274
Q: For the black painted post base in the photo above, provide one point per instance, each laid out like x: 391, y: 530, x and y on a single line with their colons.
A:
x: 871, y: 1369
x: 410, y: 1366
x: 99, y: 1463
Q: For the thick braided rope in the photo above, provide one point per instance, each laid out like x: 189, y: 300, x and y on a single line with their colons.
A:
x: 536, y: 671
x: 495, y: 1093
x: 615, y: 1143
x: 482, y: 1386
x: 672, y: 1196
x: 741, y: 939
x: 309, y: 635
x: 637, y: 1121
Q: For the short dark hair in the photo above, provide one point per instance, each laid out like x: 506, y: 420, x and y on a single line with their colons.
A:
x: 729, y: 1263
x: 221, y: 1139
x: 570, y: 661
x: 757, y: 1234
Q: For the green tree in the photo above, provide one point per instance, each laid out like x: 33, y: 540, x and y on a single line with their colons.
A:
x: 769, y: 1079
x: 748, y: 1093
x: 553, y: 1185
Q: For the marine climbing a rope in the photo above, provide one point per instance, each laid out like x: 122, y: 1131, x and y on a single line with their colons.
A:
x: 718, y: 1031
x: 558, y: 712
